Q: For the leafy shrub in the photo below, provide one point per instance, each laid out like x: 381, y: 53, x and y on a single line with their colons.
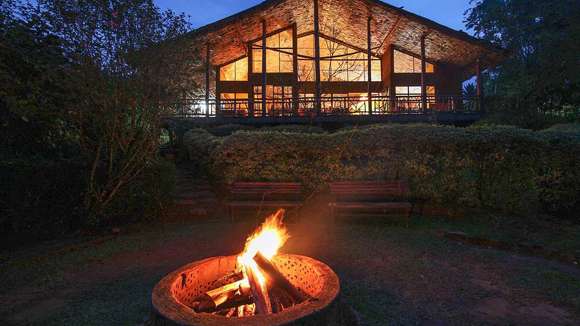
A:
x: 146, y: 197
x: 44, y: 199
x: 226, y: 130
x: 501, y: 168
x: 41, y: 198
x: 565, y: 127
x: 199, y: 144
x: 294, y: 129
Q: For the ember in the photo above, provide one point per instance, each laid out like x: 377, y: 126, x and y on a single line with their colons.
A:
x: 257, y: 287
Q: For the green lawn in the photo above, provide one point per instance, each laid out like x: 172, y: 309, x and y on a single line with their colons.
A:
x: 391, y: 275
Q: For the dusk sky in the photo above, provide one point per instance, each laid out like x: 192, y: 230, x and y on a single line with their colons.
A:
x: 202, y: 12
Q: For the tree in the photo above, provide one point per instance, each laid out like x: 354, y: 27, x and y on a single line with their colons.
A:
x: 32, y: 96
x: 127, y: 64
x: 543, y: 74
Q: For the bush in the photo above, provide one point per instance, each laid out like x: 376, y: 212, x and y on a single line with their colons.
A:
x: 500, y: 168
x: 565, y: 127
x: 41, y: 198
x: 294, y: 129
x: 226, y: 130
x: 146, y: 198
x: 44, y: 199
x: 199, y: 144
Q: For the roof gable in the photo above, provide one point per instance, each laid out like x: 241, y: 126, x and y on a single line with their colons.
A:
x: 346, y: 20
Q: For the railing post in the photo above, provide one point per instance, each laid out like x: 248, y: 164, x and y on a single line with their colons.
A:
x: 318, y: 93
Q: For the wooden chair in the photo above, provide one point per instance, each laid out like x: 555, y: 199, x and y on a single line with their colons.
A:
x: 265, y: 195
x: 384, y: 198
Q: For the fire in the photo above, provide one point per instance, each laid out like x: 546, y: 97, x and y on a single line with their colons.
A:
x: 267, y: 240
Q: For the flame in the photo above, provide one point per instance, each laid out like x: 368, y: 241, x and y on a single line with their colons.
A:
x: 267, y: 240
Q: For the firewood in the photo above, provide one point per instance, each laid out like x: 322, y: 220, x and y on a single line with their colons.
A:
x: 261, y: 298
x: 283, y: 297
x: 209, y: 301
x: 278, y: 279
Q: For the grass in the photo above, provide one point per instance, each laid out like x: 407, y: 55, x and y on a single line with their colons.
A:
x: 552, y: 234
x: 391, y: 275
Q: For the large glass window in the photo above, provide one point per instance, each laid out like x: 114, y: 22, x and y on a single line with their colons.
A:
x: 414, y: 90
x: 279, y: 52
x: 236, y: 71
x: 338, y: 62
x: 405, y: 63
x: 278, y: 100
x: 235, y: 102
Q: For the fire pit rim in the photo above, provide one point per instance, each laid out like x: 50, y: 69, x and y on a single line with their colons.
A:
x: 181, y: 314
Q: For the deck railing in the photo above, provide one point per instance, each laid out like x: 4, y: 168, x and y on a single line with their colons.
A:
x: 329, y: 106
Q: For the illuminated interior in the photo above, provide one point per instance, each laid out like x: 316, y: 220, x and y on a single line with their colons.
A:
x: 338, y: 62
x: 235, y: 102
x: 279, y: 100
x: 405, y: 63
x: 279, y: 52
x: 235, y: 71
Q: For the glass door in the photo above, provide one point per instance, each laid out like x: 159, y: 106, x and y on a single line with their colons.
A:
x: 278, y: 101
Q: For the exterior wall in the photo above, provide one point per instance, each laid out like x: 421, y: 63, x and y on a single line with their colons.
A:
x: 447, y: 78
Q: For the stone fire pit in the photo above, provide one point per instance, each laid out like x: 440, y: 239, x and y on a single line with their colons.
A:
x: 173, y: 296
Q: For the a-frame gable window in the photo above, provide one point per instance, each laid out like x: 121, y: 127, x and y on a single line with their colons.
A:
x: 405, y: 64
x: 338, y: 62
x: 235, y: 71
x: 279, y: 48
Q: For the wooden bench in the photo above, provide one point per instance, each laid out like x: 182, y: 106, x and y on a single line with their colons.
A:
x: 265, y: 195
x: 371, y: 197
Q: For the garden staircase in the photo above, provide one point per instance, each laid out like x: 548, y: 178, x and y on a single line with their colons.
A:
x: 193, y: 198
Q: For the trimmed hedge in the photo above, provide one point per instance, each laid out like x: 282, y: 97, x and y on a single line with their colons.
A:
x: 500, y: 168
x: 199, y: 144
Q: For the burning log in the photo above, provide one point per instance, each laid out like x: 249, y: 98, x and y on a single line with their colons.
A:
x: 278, y: 279
x: 261, y: 297
x: 222, y: 298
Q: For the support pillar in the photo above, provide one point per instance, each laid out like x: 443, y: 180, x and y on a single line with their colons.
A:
x: 423, y: 74
x: 318, y: 93
x: 250, y: 71
x: 295, y: 65
x: 207, y: 78
x: 369, y: 67
x: 218, y: 91
x: 264, y: 68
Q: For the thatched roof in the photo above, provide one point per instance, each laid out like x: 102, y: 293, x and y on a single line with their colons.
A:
x: 346, y: 20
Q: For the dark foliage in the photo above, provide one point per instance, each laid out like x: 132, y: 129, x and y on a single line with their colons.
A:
x: 498, y: 168
x: 540, y: 83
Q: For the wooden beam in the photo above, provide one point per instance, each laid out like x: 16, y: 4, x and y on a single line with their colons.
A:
x: 264, y: 68
x: 251, y: 88
x: 318, y: 93
x: 391, y: 34
x: 369, y: 66
x: 218, y: 90
x: 207, y: 78
x: 423, y: 74
x: 295, y: 65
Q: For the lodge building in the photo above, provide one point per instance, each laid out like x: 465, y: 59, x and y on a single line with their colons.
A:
x: 299, y: 60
